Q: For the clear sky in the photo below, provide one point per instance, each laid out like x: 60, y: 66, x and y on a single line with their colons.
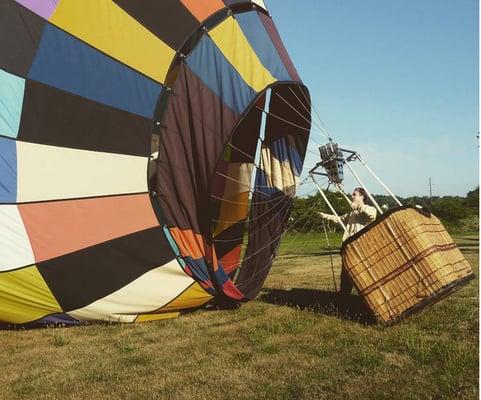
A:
x: 396, y: 80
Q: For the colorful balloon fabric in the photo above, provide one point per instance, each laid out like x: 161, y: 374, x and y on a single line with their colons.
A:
x: 88, y: 91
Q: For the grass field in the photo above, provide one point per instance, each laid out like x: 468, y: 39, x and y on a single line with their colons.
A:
x: 298, y: 340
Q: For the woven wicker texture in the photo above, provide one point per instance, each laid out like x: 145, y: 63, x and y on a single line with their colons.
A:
x: 403, y: 263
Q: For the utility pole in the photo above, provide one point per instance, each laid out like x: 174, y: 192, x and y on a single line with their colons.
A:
x: 430, y: 196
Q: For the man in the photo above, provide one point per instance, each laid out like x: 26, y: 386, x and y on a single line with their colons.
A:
x: 356, y: 219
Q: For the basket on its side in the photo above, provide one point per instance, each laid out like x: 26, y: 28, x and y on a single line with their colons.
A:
x: 403, y: 262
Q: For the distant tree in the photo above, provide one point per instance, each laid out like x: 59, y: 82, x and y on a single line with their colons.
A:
x: 450, y: 209
x: 386, y: 200
x: 472, y: 198
x: 305, y: 210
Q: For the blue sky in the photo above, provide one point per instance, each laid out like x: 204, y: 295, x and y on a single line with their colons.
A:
x: 396, y: 81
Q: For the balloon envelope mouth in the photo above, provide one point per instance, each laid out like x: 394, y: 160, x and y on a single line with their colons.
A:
x: 254, y: 183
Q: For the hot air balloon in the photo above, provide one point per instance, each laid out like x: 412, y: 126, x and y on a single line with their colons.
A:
x: 88, y: 91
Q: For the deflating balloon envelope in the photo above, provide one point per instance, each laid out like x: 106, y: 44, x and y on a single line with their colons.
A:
x: 88, y: 91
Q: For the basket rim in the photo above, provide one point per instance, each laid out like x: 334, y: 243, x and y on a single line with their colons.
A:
x: 368, y: 227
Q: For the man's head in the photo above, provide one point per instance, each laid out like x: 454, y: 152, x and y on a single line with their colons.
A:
x: 359, y: 195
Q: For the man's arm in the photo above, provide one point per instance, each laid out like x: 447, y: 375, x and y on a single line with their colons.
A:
x: 368, y: 211
x: 333, y: 218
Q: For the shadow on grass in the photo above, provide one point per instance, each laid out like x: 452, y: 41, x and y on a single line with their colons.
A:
x: 469, y: 251
x: 469, y: 248
x: 468, y: 245
x: 347, y: 307
x: 310, y: 254
x: 472, y: 239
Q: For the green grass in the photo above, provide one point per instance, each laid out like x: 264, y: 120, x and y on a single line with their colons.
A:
x: 296, y: 341
x: 309, y: 243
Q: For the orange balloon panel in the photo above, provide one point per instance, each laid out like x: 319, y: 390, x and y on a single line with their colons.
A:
x: 189, y: 243
x: 61, y: 227
x: 230, y: 261
x: 203, y: 9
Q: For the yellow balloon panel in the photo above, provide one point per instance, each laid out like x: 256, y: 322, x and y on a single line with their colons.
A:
x: 25, y: 296
x: 232, y: 210
x: 194, y: 296
x: 156, y: 317
x: 233, y: 44
x: 105, y: 26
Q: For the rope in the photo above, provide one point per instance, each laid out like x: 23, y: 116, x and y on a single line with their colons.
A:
x: 310, y: 114
x: 243, y: 152
x: 298, y: 234
x: 282, y: 119
x: 282, y: 234
x: 258, y: 230
x: 268, y: 244
x: 297, y: 111
x: 243, y: 183
x: 296, y: 240
x: 330, y: 255
x: 317, y: 114
x: 308, y: 212
x: 285, y: 198
x: 248, y: 202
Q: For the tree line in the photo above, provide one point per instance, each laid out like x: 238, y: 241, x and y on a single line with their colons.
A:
x: 458, y: 214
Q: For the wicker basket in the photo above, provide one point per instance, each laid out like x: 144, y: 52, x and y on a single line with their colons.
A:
x: 404, y: 262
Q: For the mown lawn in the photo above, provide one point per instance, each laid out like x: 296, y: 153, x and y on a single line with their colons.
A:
x: 298, y: 340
